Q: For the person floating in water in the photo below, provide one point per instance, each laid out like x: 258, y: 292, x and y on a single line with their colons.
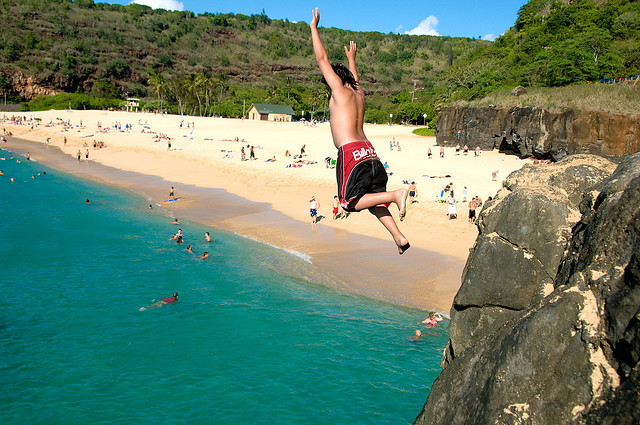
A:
x: 169, y: 300
x: 362, y: 179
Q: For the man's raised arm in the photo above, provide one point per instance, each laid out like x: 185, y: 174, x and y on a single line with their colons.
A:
x: 321, y: 54
x: 351, y: 57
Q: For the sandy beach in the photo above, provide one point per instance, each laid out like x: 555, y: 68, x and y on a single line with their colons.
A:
x: 269, y: 200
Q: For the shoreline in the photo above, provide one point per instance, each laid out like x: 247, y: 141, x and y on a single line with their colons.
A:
x: 253, y: 202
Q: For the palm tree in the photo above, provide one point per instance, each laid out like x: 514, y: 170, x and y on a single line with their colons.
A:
x: 158, y: 83
x: 221, y: 84
x: 192, y: 85
x: 205, y: 82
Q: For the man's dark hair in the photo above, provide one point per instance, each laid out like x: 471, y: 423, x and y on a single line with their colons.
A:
x: 345, y: 76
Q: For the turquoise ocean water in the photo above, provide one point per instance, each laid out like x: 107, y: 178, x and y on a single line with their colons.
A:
x: 245, y: 343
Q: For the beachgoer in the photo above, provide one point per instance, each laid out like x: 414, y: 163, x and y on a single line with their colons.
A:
x: 175, y: 221
x: 416, y: 336
x: 494, y: 175
x: 205, y: 256
x: 336, y: 207
x: 465, y: 150
x: 361, y: 177
x: 441, y: 151
x: 172, y: 193
x: 87, y: 201
x: 303, y: 150
x: 387, y: 169
x: 472, y: 210
x: 451, y: 202
x: 464, y: 194
x: 150, y: 207
x: 314, y: 205
x: 458, y: 149
x: 252, y: 154
x: 433, y: 319
x: 79, y: 155
x: 86, y: 154
x: 207, y: 237
x: 169, y: 300
x: 429, y: 154
x: 189, y: 249
x: 413, y: 192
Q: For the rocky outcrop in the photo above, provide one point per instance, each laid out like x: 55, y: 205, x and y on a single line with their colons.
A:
x: 545, y: 328
x: 26, y: 86
x: 539, y: 133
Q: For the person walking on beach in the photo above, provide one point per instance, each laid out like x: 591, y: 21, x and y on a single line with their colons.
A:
x: 362, y: 180
x: 172, y: 193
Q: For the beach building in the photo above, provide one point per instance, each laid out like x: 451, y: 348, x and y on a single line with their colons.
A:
x: 132, y: 103
x: 267, y: 112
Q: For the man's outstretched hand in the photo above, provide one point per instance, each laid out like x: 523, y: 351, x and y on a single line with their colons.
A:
x: 351, y: 51
x: 315, y: 19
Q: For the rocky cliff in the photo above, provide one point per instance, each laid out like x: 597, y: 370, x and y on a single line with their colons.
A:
x: 539, y: 133
x: 545, y: 328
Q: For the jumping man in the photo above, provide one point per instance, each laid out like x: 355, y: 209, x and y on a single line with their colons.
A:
x: 362, y: 180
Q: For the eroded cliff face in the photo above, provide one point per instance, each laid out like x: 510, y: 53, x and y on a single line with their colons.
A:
x: 545, y: 328
x: 539, y: 133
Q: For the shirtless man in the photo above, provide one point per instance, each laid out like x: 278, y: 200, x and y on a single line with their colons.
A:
x: 361, y: 176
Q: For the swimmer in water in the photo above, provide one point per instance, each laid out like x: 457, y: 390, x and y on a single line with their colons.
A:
x: 417, y: 336
x: 205, y: 256
x: 169, y: 300
x: 432, y: 320
x: 207, y: 237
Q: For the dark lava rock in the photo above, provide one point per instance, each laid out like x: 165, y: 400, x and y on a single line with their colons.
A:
x: 545, y: 328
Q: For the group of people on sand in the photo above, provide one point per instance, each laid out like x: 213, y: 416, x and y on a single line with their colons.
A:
x: 430, y: 322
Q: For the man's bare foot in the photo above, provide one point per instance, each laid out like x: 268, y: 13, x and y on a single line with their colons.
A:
x: 403, y: 244
x: 402, y: 203
x: 403, y: 248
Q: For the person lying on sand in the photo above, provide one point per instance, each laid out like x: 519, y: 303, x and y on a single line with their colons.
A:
x: 362, y: 180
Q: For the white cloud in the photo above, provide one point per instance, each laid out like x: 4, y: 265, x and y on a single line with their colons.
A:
x: 399, y: 29
x: 489, y: 37
x: 426, y: 27
x: 161, y: 4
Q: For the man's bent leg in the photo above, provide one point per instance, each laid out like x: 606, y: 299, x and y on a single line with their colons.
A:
x: 399, y: 197
x: 385, y: 217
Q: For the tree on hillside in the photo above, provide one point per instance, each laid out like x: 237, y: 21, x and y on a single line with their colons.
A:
x: 158, y: 84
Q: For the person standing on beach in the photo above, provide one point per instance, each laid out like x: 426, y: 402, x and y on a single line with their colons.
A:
x: 413, y: 192
x: 361, y: 177
x: 172, y: 193
x: 313, y: 209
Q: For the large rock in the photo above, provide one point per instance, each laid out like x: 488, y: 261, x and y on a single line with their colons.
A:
x: 538, y: 132
x: 546, y: 326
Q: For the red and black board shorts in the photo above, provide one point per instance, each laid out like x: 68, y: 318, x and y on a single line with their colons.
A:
x: 358, y: 171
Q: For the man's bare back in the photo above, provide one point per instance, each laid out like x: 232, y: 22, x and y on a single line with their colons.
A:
x: 346, y: 107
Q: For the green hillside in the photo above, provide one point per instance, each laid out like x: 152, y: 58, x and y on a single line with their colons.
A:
x: 554, y: 44
x: 221, y: 63
x: 210, y: 63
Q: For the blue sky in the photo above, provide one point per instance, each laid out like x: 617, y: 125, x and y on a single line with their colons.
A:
x: 457, y: 18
